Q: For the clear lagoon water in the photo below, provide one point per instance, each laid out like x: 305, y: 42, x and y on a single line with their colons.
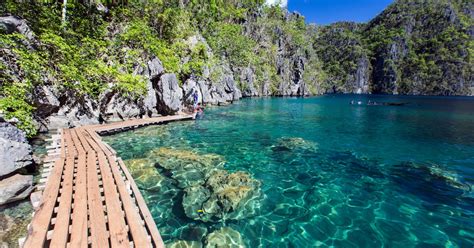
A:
x: 391, y: 176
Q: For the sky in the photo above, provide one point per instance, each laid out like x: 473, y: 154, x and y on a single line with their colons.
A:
x: 330, y: 11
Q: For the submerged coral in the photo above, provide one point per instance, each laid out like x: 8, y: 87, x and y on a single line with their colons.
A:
x: 224, y: 237
x: 184, y: 244
x: 294, y: 143
x: 188, y: 168
x: 223, y: 196
x: 145, y: 174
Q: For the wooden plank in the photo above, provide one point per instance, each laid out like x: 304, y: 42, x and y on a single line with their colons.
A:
x: 42, y: 218
x: 139, y: 234
x: 138, y: 231
x: 150, y: 223
x: 118, y: 229
x: 99, y: 236
x: 61, y: 226
x: 79, y: 215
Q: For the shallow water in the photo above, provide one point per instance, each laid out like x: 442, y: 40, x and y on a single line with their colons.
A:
x: 358, y: 176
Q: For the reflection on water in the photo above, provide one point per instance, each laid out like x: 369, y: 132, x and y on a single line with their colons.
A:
x: 330, y: 173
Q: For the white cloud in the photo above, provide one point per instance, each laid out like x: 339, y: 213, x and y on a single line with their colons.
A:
x: 283, y: 3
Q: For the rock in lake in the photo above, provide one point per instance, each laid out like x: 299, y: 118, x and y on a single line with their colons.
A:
x: 223, y: 196
x: 145, y: 174
x: 223, y: 238
x: 187, y: 167
x: 14, y: 188
x: 293, y: 143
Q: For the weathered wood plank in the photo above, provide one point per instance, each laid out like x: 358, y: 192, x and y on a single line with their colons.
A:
x: 61, y: 226
x: 79, y: 215
x: 41, y: 221
x: 99, y: 236
x: 148, y: 218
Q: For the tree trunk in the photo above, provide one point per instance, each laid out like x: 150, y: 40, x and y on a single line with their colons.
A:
x: 64, y: 14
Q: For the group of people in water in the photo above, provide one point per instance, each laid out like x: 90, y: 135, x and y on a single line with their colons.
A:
x: 373, y: 103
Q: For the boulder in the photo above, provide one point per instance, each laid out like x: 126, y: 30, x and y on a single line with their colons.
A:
x: 10, y: 132
x: 169, y: 94
x: 224, y: 237
x: 12, y: 24
x: 15, y: 152
x: 16, y: 187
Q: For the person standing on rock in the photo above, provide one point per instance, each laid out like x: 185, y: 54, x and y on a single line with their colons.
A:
x: 195, y: 98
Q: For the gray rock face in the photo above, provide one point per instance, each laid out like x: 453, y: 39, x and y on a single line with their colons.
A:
x: 15, y: 152
x: 77, y: 111
x: 12, y: 24
x: 115, y: 107
x: 247, y: 76
x: 14, y: 188
x: 169, y: 94
x: 155, y: 68
x: 189, y: 87
x: 10, y: 132
x: 45, y: 101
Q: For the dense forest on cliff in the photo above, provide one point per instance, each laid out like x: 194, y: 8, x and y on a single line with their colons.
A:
x: 92, y: 62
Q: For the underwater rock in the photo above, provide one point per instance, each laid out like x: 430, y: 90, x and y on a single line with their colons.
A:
x: 224, y: 237
x: 187, y: 167
x: 224, y: 196
x: 184, y: 244
x: 144, y: 173
x: 418, y: 179
x: 294, y: 143
x: 192, y: 232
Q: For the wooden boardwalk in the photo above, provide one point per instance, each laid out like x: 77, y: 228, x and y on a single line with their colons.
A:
x: 90, y: 198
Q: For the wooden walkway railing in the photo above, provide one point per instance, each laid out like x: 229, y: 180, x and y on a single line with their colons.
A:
x: 90, y: 198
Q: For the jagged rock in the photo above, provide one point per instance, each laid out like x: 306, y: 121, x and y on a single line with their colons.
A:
x: 247, y: 75
x: 10, y: 132
x: 115, y: 107
x: 224, y: 237
x: 155, y: 68
x: 76, y: 111
x: 184, y: 244
x: 189, y: 87
x: 15, y: 152
x: 169, y: 94
x: 223, y: 196
x: 205, y: 93
x: 12, y: 24
x: 14, y: 188
x: 45, y: 101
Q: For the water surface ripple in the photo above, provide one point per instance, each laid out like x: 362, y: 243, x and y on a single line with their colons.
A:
x: 373, y: 176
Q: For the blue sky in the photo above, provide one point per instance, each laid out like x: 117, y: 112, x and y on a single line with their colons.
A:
x: 329, y: 11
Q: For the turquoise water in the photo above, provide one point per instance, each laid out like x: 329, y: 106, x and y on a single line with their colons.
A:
x: 372, y: 176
